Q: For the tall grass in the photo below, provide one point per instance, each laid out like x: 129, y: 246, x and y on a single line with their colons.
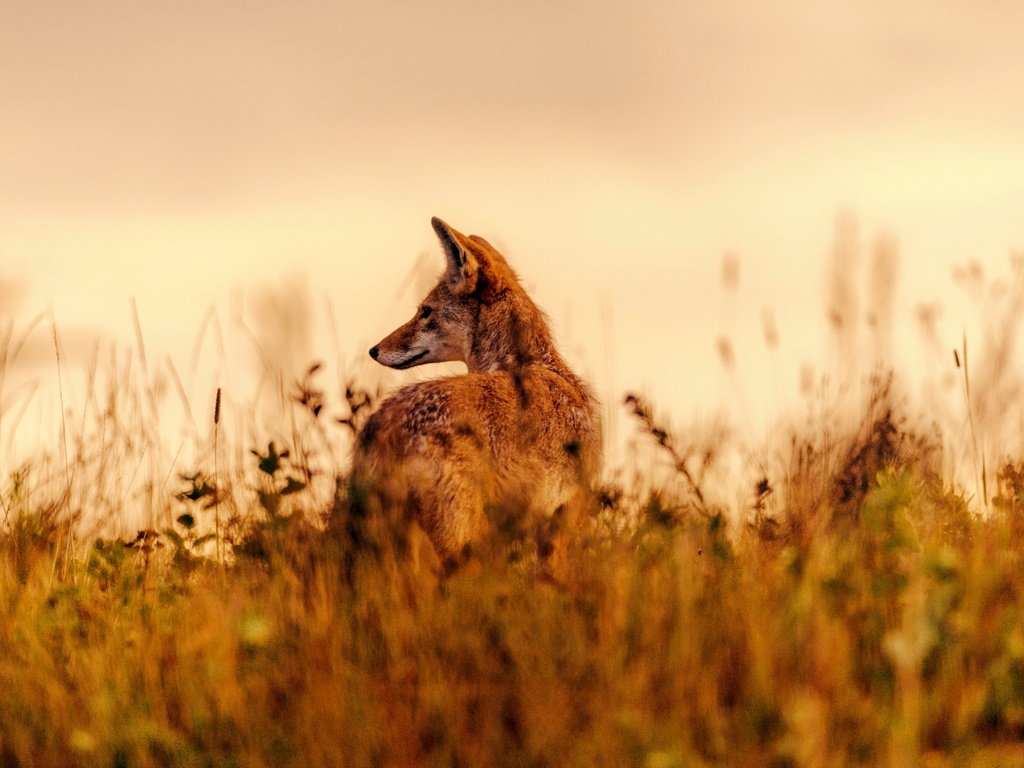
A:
x: 838, y: 601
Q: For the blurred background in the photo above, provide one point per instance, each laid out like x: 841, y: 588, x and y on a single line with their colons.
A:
x: 717, y: 203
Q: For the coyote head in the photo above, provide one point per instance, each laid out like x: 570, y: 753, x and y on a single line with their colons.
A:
x: 476, y: 313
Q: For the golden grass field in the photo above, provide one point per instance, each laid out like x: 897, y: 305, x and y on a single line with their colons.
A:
x: 838, y: 601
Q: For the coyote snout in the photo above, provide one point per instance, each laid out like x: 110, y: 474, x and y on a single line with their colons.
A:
x: 518, y: 432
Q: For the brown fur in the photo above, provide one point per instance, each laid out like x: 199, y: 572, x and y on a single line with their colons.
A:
x: 518, y: 432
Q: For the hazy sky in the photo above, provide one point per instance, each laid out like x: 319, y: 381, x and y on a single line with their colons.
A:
x: 188, y: 153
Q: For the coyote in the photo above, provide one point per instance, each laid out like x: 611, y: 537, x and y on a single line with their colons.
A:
x: 518, y: 435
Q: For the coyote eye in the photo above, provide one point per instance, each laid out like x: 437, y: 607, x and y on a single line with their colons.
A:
x: 425, y: 312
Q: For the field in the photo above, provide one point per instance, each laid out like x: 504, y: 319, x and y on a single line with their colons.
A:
x: 836, y: 601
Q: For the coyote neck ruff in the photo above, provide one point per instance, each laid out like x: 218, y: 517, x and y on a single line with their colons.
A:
x: 518, y: 433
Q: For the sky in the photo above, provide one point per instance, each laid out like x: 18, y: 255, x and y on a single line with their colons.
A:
x: 217, y: 159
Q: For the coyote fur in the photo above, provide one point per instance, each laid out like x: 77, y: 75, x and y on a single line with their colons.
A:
x: 517, y: 435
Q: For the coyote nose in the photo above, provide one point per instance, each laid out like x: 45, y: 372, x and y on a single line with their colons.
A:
x: 374, y: 352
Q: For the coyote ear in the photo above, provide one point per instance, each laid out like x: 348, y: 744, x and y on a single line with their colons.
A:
x: 462, y: 267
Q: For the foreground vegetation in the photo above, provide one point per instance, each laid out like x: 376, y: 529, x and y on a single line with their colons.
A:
x: 855, y: 610
x: 834, y: 597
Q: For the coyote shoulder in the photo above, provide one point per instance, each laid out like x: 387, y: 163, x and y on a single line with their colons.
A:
x: 518, y: 433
